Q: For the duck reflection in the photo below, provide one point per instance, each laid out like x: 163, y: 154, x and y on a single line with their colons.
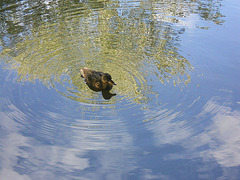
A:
x: 98, y: 81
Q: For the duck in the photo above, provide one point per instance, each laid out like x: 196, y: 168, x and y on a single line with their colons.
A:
x: 97, y: 80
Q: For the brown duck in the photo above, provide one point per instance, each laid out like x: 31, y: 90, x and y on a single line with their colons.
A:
x: 96, y: 80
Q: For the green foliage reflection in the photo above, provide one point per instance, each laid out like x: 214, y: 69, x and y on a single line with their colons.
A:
x: 134, y: 42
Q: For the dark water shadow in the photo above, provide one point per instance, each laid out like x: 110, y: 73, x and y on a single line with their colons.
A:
x: 105, y: 93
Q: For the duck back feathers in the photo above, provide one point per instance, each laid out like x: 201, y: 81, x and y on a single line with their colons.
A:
x: 96, y: 80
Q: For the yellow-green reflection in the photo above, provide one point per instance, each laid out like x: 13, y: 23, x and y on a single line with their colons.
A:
x: 135, y: 45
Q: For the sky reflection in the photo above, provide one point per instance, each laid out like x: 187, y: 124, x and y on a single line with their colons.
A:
x: 176, y: 113
x: 219, y: 141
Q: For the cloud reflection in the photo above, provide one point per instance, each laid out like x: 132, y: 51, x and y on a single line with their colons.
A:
x: 224, y: 134
x: 218, y: 139
x: 24, y: 157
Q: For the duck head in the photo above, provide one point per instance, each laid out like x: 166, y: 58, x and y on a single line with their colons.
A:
x: 106, y: 78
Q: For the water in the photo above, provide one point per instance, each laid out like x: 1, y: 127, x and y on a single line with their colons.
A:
x: 176, y: 114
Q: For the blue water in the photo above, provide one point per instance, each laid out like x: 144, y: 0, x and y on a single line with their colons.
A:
x: 176, y: 114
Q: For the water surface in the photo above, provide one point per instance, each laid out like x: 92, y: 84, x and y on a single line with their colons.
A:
x: 176, y: 114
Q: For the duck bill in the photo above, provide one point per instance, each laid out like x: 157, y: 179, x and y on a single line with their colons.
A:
x: 111, y: 82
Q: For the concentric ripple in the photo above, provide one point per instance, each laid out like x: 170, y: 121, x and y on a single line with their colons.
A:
x: 138, y: 48
x: 175, y: 114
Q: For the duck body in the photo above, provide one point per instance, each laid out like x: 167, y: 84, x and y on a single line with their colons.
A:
x: 96, y: 80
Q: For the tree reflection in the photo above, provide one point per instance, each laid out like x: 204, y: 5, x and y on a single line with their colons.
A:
x: 51, y: 41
